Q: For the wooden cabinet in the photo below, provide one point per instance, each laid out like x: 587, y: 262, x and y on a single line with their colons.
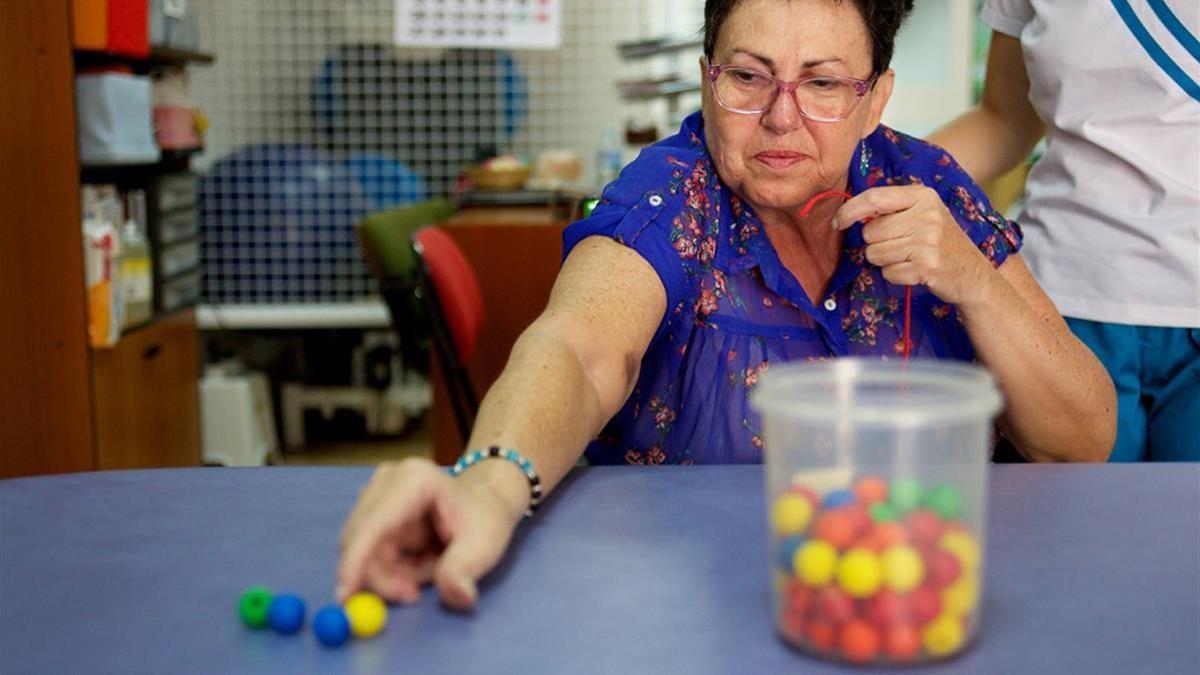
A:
x: 516, y: 253
x: 146, y: 397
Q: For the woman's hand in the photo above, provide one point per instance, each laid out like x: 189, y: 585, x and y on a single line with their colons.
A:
x: 912, y: 237
x: 414, y: 524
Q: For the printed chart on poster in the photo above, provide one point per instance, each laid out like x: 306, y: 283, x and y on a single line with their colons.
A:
x: 500, y: 24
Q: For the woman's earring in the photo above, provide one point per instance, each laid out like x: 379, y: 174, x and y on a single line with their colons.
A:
x: 863, y: 160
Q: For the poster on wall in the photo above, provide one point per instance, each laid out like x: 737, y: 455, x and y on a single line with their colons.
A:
x: 496, y: 24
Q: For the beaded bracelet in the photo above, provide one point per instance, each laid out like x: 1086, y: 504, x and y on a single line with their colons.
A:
x: 475, y: 456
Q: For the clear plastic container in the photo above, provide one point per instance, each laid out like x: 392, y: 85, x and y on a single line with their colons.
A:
x: 876, y: 484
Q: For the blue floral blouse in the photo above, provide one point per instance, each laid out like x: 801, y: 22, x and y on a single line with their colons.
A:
x: 733, y: 309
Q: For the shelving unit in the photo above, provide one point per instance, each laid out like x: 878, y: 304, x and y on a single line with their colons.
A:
x: 669, y: 88
x: 144, y: 391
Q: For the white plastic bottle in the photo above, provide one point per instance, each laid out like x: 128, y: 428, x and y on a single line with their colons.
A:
x: 608, y: 159
x: 137, y: 284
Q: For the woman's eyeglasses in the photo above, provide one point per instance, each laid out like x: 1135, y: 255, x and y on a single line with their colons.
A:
x: 821, y: 98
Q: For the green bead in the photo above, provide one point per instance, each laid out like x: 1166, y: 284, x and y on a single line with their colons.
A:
x: 905, y: 495
x: 883, y: 512
x: 253, y: 606
x: 945, y: 501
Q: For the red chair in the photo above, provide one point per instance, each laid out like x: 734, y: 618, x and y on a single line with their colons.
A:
x: 450, y: 290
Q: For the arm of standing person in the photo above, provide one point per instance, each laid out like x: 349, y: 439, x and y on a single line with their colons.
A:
x: 568, y: 374
x: 999, y: 133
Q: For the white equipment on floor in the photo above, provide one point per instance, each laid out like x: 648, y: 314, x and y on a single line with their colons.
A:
x: 385, y: 412
x: 238, y: 419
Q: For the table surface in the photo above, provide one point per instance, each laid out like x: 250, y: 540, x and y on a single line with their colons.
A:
x: 1091, y: 569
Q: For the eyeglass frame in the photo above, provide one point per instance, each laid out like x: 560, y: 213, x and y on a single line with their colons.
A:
x: 861, y: 87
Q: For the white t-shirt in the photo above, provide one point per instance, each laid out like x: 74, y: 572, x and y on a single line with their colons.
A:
x: 1112, y: 216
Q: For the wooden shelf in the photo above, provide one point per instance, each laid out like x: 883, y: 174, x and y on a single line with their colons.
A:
x: 180, y: 56
x: 642, y: 49
x: 653, y: 90
x: 159, y: 56
x: 171, y: 161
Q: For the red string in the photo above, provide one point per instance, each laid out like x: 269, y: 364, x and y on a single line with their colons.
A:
x: 907, y: 289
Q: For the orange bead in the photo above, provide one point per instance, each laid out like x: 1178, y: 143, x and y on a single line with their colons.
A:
x: 891, y: 533
x: 870, y: 490
x: 871, y: 542
x: 902, y: 642
x: 859, y: 641
x: 837, y: 527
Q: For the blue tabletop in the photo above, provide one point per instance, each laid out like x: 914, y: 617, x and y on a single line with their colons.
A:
x: 1091, y: 569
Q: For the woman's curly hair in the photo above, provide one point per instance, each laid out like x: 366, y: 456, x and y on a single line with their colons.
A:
x: 883, y: 19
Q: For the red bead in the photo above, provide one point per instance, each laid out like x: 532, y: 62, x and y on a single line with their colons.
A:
x: 837, y: 527
x: 870, y: 490
x: 860, y: 517
x: 902, y: 642
x: 887, y: 608
x: 859, y: 641
x: 926, y: 605
x: 924, y: 527
x: 799, y: 597
x: 834, y: 605
x: 821, y: 635
x: 942, y: 567
x: 791, y: 624
x: 807, y: 494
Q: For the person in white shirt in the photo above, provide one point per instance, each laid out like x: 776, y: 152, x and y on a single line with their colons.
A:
x: 1112, y: 210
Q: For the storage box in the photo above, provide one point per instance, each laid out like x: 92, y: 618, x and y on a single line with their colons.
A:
x: 115, y: 26
x: 173, y: 23
x: 114, y: 120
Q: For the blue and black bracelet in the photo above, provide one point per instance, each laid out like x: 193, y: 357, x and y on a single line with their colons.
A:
x: 475, y: 456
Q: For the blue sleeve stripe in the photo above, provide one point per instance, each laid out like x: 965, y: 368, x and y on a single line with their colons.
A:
x: 1173, y: 24
x: 1155, y: 51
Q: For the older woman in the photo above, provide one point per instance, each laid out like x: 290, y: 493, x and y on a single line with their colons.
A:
x: 706, y: 261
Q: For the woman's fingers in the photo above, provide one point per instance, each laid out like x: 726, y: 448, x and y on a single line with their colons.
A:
x: 890, y: 252
x: 878, y: 201
x: 400, y: 578
x: 404, y: 500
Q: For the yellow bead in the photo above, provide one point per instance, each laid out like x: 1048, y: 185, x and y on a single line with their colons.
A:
x: 963, y: 546
x: 815, y: 563
x: 791, y: 514
x: 903, y: 568
x: 367, y: 614
x: 959, y: 598
x: 944, y: 636
x: 860, y: 573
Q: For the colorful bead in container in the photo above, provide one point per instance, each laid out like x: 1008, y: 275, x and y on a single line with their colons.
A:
x: 877, y: 573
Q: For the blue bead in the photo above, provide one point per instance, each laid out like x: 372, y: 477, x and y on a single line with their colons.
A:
x: 512, y: 456
x: 838, y: 498
x: 286, y: 614
x: 331, y: 626
x: 787, y: 551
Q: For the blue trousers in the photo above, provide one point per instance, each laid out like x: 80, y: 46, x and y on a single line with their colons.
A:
x: 1157, y: 375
